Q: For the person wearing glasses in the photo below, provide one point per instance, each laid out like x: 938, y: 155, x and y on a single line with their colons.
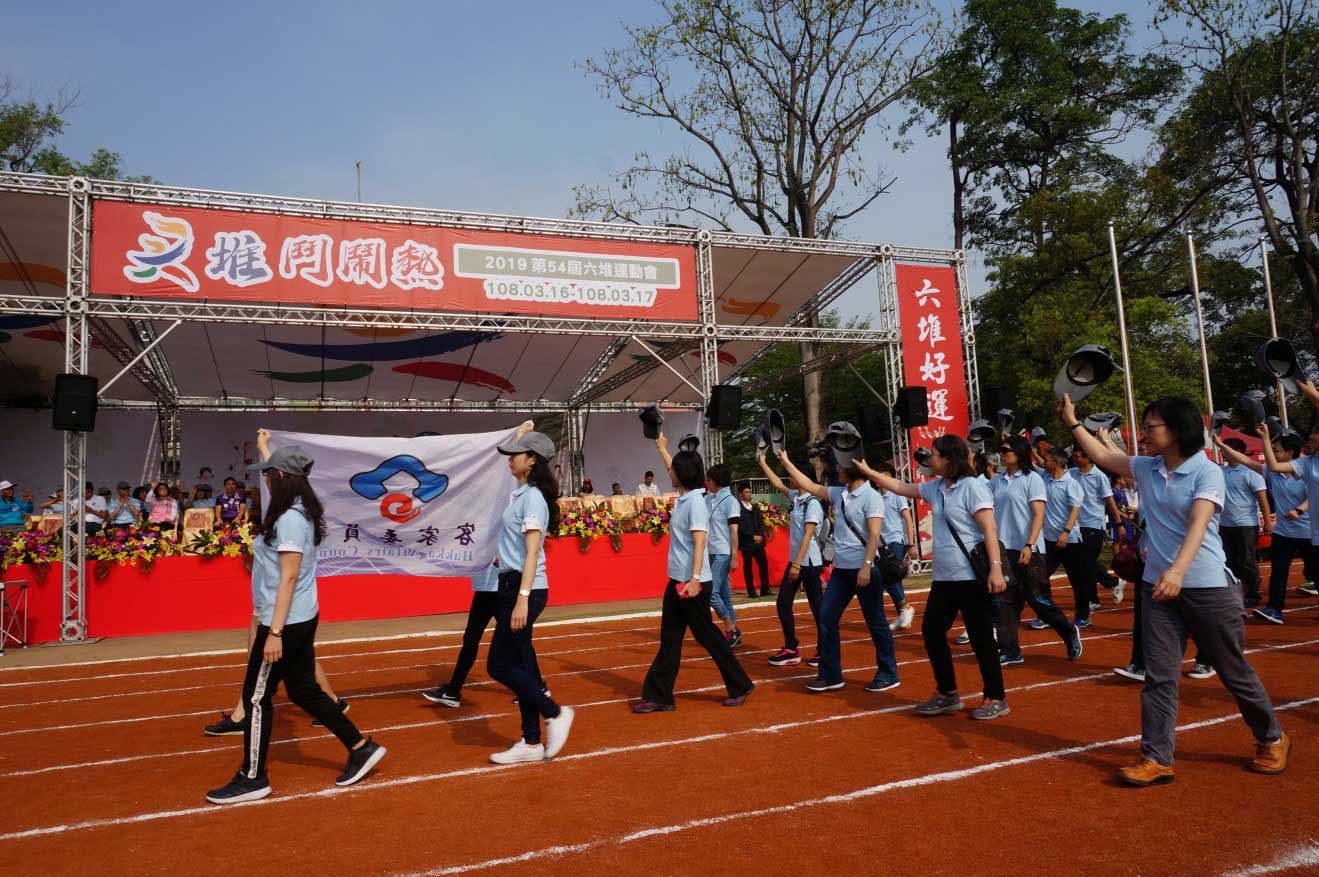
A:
x: 1186, y: 587
x: 1019, y: 502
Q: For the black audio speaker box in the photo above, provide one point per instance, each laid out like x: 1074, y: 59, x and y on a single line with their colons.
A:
x: 725, y: 408
x: 75, y: 402
x: 995, y: 398
x: 870, y: 420
x: 912, y: 408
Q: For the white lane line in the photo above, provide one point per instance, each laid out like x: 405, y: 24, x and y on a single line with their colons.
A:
x: 617, y: 750
x: 915, y: 782
x: 1306, y: 855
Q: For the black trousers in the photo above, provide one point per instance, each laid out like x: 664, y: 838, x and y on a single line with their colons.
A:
x: 1073, y: 560
x: 507, y: 663
x: 1284, y: 549
x: 677, y: 615
x: 758, y: 555
x: 1031, y: 586
x: 1239, y: 546
x: 809, y: 579
x: 972, y: 599
x: 297, y: 670
x: 484, y: 608
x: 1092, y: 539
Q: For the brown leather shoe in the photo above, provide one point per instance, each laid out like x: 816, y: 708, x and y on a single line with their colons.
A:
x: 1272, y: 757
x: 1147, y: 772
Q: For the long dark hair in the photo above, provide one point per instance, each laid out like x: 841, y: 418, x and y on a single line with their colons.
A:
x: 284, y: 490
x: 956, y: 455
x: 1021, y: 447
x: 542, y: 478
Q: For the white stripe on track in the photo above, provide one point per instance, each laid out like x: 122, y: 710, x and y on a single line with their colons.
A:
x: 928, y: 779
x: 1305, y: 855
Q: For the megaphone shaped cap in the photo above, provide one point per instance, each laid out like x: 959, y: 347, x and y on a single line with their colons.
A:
x: 1005, y: 416
x: 1218, y: 420
x: 979, y: 431
x: 1103, y: 420
x: 1277, y: 359
x: 776, y: 431
x: 922, y: 457
x: 651, y: 418
x: 845, y: 440
x: 690, y: 442
x: 1250, y: 405
x: 1088, y: 367
x: 1036, y: 434
x: 762, y: 440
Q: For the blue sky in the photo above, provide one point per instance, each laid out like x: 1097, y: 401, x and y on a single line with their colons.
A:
x: 463, y: 105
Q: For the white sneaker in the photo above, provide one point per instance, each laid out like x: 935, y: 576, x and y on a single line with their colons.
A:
x: 906, y: 616
x: 519, y: 752
x: 1119, y: 590
x: 962, y: 639
x: 556, y: 732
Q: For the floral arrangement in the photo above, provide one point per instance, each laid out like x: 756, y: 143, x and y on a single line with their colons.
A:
x: 773, y: 515
x: 30, y: 547
x: 654, y: 521
x: 590, y: 523
x: 228, y: 540
x: 122, y: 546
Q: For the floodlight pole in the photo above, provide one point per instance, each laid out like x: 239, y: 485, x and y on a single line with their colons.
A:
x: 1200, y: 325
x: 1122, y: 338
x: 1273, y: 323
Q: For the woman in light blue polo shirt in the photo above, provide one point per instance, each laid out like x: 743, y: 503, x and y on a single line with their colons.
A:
x: 805, y: 565
x: 1186, y: 588
x: 1292, y: 532
x: 960, y: 502
x: 687, y: 593
x: 532, y: 512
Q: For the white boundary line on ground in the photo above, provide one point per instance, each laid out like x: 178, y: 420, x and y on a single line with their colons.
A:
x: 1306, y: 854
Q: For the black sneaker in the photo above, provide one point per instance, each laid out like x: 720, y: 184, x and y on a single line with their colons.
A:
x: 1074, y: 647
x: 1005, y: 660
x: 240, y: 789
x: 444, y: 697
x: 226, y: 727
x: 882, y: 683
x: 343, y: 708
x: 360, y: 762
x: 814, y: 661
x: 735, y: 641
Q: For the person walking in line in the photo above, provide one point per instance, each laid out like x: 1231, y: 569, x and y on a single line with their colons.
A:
x: 1097, y: 505
x: 687, y: 593
x: 723, y: 539
x: 283, y: 650
x: 1062, y: 538
x: 533, y: 511
x: 898, y: 532
x: 751, y: 541
x: 1186, y: 588
x: 1245, y: 513
x: 1019, y: 503
x: 805, y: 565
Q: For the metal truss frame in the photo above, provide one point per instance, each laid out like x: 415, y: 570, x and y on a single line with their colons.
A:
x: 77, y: 344
x: 188, y: 404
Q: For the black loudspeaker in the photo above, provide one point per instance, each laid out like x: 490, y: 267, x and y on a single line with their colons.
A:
x: 912, y: 408
x: 995, y: 398
x: 870, y: 420
x: 725, y: 408
x: 75, y: 402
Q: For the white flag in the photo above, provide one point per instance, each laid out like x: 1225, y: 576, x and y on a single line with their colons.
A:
x: 416, y: 506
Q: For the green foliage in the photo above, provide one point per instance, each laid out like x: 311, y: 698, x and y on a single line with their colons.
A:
x: 27, y: 129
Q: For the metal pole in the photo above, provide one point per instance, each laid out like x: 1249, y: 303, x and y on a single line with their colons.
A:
x: 1122, y: 337
x: 359, y: 180
x: 145, y: 351
x: 1200, y: 324
x: 1273, y: 322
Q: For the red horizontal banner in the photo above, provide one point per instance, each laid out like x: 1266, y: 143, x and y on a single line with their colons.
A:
x: 162, y: 251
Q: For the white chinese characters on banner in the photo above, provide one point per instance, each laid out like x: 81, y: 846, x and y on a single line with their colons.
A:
x: 428, y: 506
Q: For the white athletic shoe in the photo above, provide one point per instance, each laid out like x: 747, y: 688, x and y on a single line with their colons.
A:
x: 556, y: 732
x: 905, y: 618
x: 962, y: 639
x: 519, y: 752
x: 1119, y: 590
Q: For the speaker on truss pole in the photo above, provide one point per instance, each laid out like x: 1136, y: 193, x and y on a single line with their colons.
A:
x: 724, y: 412
x: 912, y: 407
x: 74, y: 402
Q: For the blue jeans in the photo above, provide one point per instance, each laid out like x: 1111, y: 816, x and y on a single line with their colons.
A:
x: 508, y: 661
x: 837, y: 595
x: 894, y: 586
x: 721, y: 594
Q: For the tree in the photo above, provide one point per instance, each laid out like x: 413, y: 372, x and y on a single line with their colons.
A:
x: 1251, y: 124
x: 774, y: 98
x: 27, y: 129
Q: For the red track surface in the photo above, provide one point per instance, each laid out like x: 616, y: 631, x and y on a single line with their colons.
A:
x: 103, y: 767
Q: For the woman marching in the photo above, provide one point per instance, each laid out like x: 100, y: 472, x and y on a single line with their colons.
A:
x: 962, y: 512
x: 805, y: 564
x: 1186, y: 589
x: 1019, y: 500
x: 283, y: 650
x: 523, y: 593
x: 687, y: 593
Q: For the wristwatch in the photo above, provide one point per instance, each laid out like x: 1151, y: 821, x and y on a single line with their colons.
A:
x: 524, y: 593
x: 276, y: 631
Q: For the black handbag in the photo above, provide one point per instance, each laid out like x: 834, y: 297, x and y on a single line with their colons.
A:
x: 978, y: 557
x: 890, y: 568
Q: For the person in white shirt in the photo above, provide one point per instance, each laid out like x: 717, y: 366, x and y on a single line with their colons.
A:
x: 648, y: 487
x: 94, y: 510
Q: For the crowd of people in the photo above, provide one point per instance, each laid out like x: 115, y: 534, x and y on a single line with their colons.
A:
x: 160, y: 506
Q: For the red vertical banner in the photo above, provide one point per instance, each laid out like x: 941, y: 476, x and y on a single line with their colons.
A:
x: 932, y: 357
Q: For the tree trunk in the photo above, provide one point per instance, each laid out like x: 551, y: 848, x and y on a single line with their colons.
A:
x: 811, y: 400
x: 959, y: 185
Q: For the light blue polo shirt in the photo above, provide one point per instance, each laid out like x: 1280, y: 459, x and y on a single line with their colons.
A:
x: 863, y: 504
x: 12, y: 513
x: 722, y: 506
x: 895, y: 526
x: 1308, y: 469
x: 1165, y: 506
x: 806, y: 509
x: 1240, y: 506
x: 120, y: 513
x: 293, y: 533
x: 1061, y: 496
x: 1097, y: 489
x: 690, y: 513
x: 1013, y: 496
x: 1288, y: 493
x: 961, y: 502
x: 204, y: 503
x: 486, y: 580
x: 527, y: 511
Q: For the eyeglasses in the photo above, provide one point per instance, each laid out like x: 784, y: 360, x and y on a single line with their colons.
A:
x: 1148, y: 426
x: 1006, y: 450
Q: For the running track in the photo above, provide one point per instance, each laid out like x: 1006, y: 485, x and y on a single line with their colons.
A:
x: 103, y: 767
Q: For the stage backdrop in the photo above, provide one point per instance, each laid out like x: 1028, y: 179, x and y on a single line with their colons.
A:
x: 427, y: 506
